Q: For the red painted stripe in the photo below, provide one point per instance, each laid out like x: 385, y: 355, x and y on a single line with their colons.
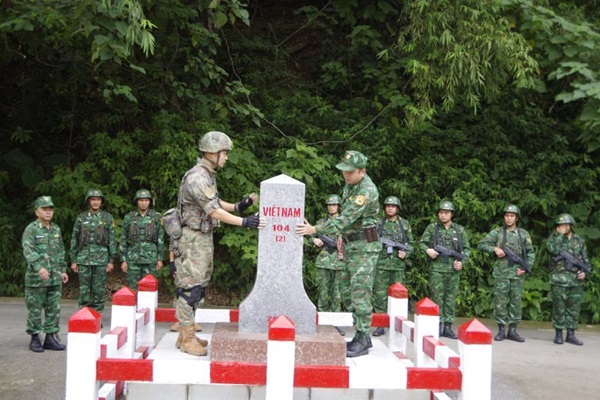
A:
x: 426, y: 307
x: 380, y: 320
x: 434, y: 378
x: 120, y: 388
x: 399, y: 322
x: 103, y: 350
x: 474, y: 332
x: 121, y: 333
x: 165, y: 315
x: 146, y: 312
x: 429, y: 345
x: 401, y: 355
x: 144, y: 350
x: 238, y: 373
x: 121, y: 369
x: 148, y: 284
x: 234, y: 315
x: 454, y: 362
x: 124, y: 297
x: 282, y: 329
x: 398, y: 291
x: 321, y: 376
x: 85, y: 320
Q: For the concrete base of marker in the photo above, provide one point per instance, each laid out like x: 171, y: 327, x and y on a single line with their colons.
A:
x: 326, y: 347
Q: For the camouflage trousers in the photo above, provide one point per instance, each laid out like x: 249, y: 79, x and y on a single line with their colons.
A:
x: 383, y: 279
x: 44, y: 300
x: 358, y: 274
x: 135, y: 273
x: 443, y: 289
x: 194, y: 268
x: 507, y: 300
x: 92, y: 286
x: 329, y: 295
x: 566, y: 304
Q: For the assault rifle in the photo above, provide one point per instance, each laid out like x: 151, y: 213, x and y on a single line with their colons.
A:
x: 572, y: 261
x: 516, y: 259
x: 447, y: 252
x: 330, y: 243
x: 391, y: 245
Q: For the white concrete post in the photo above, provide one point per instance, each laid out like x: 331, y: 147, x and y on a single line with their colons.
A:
x: 281, y: 349
x: 397, y: 306
x: 427, y: 320
x: 475, y: 348
x: 148, y: 298
x: 83, y: 351
x: 123, y: 315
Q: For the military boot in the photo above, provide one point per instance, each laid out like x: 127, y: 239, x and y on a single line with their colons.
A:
x: 513, y: 335
x: 558, y: 338
x: 203, y: 342
x: 175, y: 327
x: 448, y: 332
x: 35, y: 345
x: 52, y: 342
x: 571, y: 338
x: 501, y: 333
x: 379, y: 332
x: 190, y: 343
x: 359, y: 346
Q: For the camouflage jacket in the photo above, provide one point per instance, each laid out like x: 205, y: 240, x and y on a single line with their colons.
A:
x: 93, y: 240
x: 454, y: 238
x: 559, y: 275
x: 199, y: 197
x: 518, y: 240
x: 43, y: 248
x: 398, y: 231
x: 325, y: 259
x: 142, y: 241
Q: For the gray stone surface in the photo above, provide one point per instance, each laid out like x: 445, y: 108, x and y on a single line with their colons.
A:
x: 279, y: 289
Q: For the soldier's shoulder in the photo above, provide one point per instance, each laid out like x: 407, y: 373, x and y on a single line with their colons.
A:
x: 31, y: 226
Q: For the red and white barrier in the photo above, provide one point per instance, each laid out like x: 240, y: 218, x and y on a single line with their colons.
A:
x: 281, y: 349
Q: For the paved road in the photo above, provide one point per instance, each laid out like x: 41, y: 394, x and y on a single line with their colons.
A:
x: 537, y: 369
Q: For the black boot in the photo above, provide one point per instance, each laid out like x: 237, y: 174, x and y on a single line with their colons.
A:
x: 571, y: 338
x: 359, y: 346
x: 52, y: 342
x: 369, y: 343
x: 441, y: 329
x: 35, y: 345
x: 448, y: 332
x: 513, y: 335
x: 501, y: 333
x: 558, y: 338
x: 379, y: 332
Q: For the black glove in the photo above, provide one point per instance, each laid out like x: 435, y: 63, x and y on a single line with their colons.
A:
x: 172, y: 268
x: 244, y: 204
x: 251, y: 221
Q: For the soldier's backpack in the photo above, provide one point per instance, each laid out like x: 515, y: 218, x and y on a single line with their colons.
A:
x: 172, y: 223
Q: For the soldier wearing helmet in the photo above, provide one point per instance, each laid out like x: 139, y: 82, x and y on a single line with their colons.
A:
x: 357, y: 225
x: 391, y: 265
x: 93, y: 250
x: 444, y: 276
x: 508, y: 275
x: 201, y: 210
x: 566, y: 281
x: 142, y: 241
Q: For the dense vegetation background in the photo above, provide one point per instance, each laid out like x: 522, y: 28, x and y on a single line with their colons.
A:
x: 480, y: 102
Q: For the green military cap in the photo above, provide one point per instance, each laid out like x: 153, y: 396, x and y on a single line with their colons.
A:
x: 214, y: 142
x: 564, y: 219
x: 393, y: 200
x: 352, y: 160
x: 333, y: 199
x: 43, y: 201
x: 142, y: 194
x: 511, y: 208
x: 446, y: 205
x: 94, y: 193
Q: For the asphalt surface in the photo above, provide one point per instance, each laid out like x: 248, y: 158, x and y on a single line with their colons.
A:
x: 537, y: 369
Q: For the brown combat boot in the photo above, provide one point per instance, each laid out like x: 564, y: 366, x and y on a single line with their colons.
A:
x: 190, y: 343
x: 203, y: 342
x: 175, y: 327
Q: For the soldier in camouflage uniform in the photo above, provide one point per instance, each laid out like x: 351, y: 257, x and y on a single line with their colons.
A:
x: 444, y: 271
x: 93, y: 250
x: 508, y: 275
x: 44, y: 252
x: 201, y: 212
x: 391, y: 266
x: 141, y: 247
x: 357, y: 226
x: 566, y: 281
x: 329, y: 264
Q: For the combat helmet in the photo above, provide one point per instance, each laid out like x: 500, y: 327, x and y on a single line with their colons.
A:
x: 214, y: 142
x: 142, y: 194
x: 511, y: 208
x: 94, y: 193
x: 333, y: 199
x: 392, y: 200
x: 446, y: 205
x: 564, y: 219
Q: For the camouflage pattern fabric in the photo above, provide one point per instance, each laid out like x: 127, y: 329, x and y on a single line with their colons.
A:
x: 93, y: 240
x: 135, y: 273
x: 360, y: 208
x: 43, y: 248
x: 199, y: 197
x: 508, y: 286
x: 567, y: 290
x: 443, y: 278
x: 329, y: 268
x: 92, y: 283
x: 383, y: 280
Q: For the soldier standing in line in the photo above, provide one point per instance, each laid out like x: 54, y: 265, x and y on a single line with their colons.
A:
x: 44, y: 252
x: 357, y: 224
x: 142, y: 242
x: 93, y: 250
x: 201, y: 212
x: 566, y: 279
x: 508, y: 275
x: 391, y: 265
x: 444, y: 269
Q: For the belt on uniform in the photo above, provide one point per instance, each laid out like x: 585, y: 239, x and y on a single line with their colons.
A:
x: 354, y: 237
